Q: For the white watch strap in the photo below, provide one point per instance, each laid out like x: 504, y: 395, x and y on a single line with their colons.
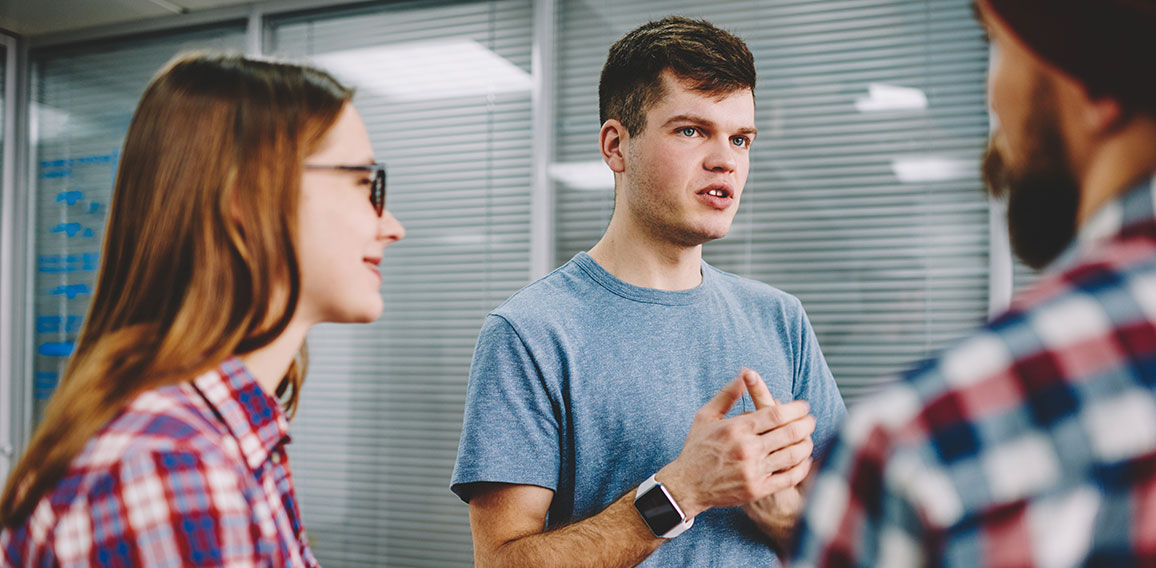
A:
x: 680, y: 527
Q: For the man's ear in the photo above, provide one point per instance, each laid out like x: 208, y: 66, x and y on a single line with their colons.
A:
x: 610, y: 141
x: 1099, y: 114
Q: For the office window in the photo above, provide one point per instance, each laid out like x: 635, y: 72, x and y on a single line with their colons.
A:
x: 3, y: 116
x: 5, y: 387
x: 3, y: 107
x: 864, y: 200
x: 864, y: 197
x: 444, y: 88
x: 82, y: 101
x: 1023, y: 276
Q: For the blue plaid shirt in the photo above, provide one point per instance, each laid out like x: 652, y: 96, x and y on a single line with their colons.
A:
x: 1031, y: 443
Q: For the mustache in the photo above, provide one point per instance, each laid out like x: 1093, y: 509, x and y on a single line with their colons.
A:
x: 995, y: 175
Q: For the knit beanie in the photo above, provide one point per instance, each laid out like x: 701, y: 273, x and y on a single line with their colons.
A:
x: 1109, y: 46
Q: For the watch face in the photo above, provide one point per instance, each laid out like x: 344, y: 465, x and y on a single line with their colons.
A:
x: 658, y: 511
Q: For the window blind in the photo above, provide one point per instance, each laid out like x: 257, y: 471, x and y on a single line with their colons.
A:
x: 864, y: 197
x: 864, y: 200
x: 444, y: 88
x: 82, y: 101
x: 1023, y: 276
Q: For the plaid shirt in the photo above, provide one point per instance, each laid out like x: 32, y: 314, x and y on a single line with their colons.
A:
x: 193, y: 474
x: 1031, y: 443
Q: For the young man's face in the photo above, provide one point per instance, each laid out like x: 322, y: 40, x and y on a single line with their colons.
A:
x: 684, y: 173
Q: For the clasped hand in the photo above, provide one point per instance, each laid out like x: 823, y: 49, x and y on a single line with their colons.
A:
x: 727, y: 462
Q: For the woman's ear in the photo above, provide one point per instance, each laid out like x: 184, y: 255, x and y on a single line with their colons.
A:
x: 611, y: 139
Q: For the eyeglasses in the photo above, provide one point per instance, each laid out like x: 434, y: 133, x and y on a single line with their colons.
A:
x: 377, y: 190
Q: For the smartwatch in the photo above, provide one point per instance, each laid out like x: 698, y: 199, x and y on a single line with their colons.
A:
x: 664, y: 517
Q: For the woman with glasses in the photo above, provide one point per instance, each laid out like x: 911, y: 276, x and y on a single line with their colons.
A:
x: 247, y: 208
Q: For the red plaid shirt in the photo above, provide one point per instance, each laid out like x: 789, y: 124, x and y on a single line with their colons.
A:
x: 188, y: 475
x: 1030, y: 443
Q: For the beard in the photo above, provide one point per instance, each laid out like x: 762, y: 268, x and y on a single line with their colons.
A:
x: 1042, y: 195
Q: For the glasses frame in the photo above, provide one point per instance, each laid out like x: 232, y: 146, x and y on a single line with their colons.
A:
x: 377, y: 189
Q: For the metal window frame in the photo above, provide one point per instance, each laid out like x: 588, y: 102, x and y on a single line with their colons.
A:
x: 1001, y: 271
x: 542, y: 103
x: 12, y: 348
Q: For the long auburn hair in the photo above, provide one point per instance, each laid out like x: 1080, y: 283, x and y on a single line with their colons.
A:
x: 198, y: 260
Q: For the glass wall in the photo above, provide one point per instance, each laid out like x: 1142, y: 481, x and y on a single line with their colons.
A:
x: 3, y: 91
x: 7, y: 444
x: 444, y: 87
x: 864, y: 198
x: 82, y: 101
x: 864, y: 201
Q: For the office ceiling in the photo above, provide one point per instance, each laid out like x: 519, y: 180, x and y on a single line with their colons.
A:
x: 37, y: 17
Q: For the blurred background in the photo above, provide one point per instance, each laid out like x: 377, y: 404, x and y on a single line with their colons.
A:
x: 864, y: 200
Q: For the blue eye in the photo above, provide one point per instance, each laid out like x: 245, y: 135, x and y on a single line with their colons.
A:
x: 688, y: 131
x: 741, y: 141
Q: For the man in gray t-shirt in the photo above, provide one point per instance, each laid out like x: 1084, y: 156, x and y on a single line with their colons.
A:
x: 603, y: 415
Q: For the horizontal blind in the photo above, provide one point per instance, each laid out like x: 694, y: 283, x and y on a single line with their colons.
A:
x: 444, y: 89
x: 1023, y: 276
x: 83, y: 98
x: 864, y: 198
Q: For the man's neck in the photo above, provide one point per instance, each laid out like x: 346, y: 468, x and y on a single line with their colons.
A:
x: 642, y: 260
x: 1116, y: 165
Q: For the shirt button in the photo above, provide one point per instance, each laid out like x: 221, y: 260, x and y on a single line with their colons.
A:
x: 277, y: 458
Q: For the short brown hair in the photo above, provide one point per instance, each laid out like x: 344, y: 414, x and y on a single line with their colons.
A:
x: 712, y: 60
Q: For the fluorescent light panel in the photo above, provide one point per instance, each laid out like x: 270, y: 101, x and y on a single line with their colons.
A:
x: 881, y: 97
x: 588, y: 176
x: 441, y: 69
x: 926, y: 169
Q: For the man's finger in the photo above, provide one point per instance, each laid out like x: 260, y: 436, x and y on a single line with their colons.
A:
x: 760, y: 394
x: 792, y: 477
x: 788, y: 435
x: 790, y: 456
x: 724, y: 400
x: 768, y: 419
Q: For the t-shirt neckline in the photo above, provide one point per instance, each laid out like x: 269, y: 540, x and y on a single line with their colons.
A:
x: 640, y: 294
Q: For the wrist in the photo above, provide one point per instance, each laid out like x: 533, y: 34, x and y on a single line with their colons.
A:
x: 680, y: 490
x: 658, y: 509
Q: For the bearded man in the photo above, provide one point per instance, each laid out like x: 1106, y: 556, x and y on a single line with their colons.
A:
x: 1032, y: 442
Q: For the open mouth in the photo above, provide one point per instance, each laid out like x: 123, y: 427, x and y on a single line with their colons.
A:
x: 719, y: 191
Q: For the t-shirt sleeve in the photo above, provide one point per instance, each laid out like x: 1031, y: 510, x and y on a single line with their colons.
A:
x: 815, y: 384
x: 510, y: 432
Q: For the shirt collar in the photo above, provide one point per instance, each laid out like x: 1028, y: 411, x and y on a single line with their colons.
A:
x: 254, y: 417
x: 1132, y: 207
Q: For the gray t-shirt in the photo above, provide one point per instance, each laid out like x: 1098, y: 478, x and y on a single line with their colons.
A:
x: 586, y: 385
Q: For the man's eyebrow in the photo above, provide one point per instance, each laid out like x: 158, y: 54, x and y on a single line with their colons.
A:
x: 695, y: 119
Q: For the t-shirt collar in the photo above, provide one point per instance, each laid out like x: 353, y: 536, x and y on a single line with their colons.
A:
x: 646, y: 295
